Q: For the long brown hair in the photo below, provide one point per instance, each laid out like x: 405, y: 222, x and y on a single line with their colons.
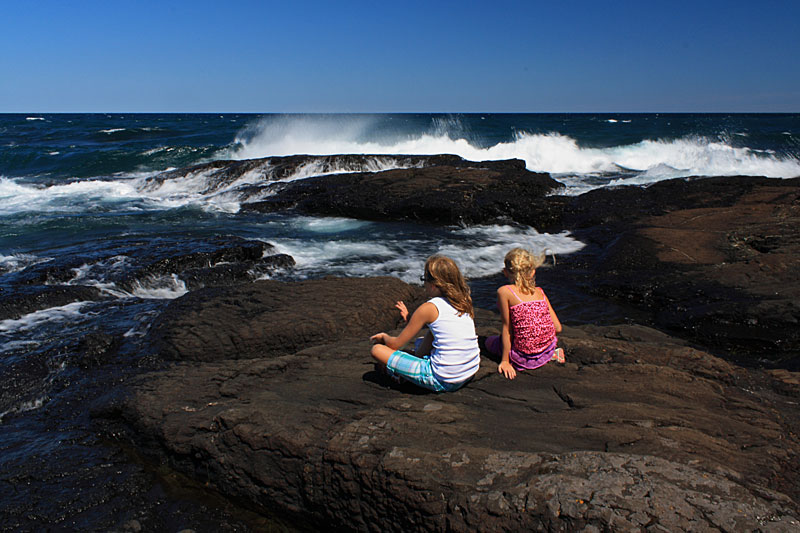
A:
x: 521, y: 266
x: 444, y: 273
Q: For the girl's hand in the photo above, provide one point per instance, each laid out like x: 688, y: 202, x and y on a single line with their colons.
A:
x: 507, y: 370
x: 403, y: 310
x: 380, y: 338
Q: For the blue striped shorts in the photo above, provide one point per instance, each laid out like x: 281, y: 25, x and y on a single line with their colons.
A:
x: 418, y: 371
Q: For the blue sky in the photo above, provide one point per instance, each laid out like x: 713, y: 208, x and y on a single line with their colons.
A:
x: 497, y: 56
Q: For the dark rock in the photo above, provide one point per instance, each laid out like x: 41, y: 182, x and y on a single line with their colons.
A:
x: 269, y: 318
x: 29, y: 299
x: 225, y: 264
x: 21, y: 387
x: 715, y: 260
x: 232, y: 273
x: 263, y: 173
x: 233, y: 263
x: 95, y: 349
x: 208, y: 261
x: 470, y: 193
x: 637, y: 429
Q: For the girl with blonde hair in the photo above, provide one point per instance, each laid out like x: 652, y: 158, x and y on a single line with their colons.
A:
x: 530, y: 325
x: 449, y: 356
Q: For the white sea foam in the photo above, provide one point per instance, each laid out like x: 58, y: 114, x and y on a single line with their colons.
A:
x: 198, y: 188
x: 160, y: 288
x: 18, y: 262
x: 95, y: 274
x: 73, y: 196
x: 112, y: 130
x: 34, y: 118
x: 166, y: 287
x: 328, y: 224
x: 550, y: 152
x: 203, y: 187
x: 35, y: 319
x: 580, y: 168
x: 478, y: 250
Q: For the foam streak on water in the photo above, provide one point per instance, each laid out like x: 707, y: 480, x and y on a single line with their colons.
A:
x: 479, y: 250
x: 39, y: 318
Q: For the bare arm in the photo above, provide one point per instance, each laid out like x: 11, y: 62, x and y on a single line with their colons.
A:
x: 505, y: 367
x: 425, y: 314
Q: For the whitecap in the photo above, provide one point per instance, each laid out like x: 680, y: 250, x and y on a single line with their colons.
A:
x: 160, y: 288
x: 32, y: 320
x: 328, y: 224
x: 71, y: 197
x: 553, y: 152
x: 21, y: 261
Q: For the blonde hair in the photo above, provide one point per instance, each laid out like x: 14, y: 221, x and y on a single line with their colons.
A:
x: 445, y: 275
x: 521, y: 266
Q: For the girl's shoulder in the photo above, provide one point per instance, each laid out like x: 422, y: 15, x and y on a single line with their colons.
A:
x: 537, y: 293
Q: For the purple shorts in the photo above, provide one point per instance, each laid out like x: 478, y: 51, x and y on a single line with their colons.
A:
x: 521, y: 361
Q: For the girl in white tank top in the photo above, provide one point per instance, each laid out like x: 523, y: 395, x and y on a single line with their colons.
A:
x: 449, y: 355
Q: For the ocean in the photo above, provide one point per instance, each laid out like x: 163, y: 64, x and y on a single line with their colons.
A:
x: 74, y: 191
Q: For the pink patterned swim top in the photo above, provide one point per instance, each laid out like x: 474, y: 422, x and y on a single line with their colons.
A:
x: 532, y: 327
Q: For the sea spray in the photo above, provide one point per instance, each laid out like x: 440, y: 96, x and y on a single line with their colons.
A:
x: 554, y: 152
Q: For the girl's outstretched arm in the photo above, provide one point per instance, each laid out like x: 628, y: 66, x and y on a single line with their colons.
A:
x: 425, y: 314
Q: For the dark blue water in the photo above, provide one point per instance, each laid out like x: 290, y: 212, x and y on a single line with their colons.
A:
x: 75, y: 203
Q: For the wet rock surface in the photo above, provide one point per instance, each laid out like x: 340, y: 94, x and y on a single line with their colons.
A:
x: 235, y: 261
x: 214, y: 262
x: 26, y: 299
x: 453, y: 191
x: 638, y: 430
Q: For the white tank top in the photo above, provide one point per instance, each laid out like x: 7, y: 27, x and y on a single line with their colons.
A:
x: 455, y: 356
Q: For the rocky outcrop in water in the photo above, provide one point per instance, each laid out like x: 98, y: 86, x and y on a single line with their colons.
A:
x: 26, y: 299
x: 252, y: 179
x: 638, y: 430
x: 450, y: 192
x: 233, y: 261
x: 214, y: 262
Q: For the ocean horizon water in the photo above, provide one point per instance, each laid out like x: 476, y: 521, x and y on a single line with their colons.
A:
x: 75, y: 190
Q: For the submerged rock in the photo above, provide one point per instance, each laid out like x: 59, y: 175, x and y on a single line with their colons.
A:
x: 235, y: 261
x: 29, y: 299
x: 637, y: 429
